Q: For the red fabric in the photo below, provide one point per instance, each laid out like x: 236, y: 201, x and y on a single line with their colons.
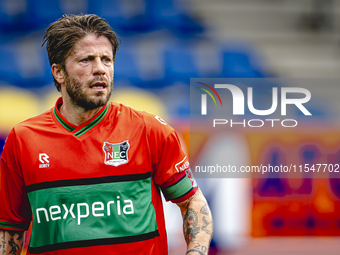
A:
x: 154, y: 147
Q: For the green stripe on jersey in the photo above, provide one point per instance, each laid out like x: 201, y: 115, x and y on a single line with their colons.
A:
x: 89, y: 212
x: 87, y: 127
x: 92, y: 123
x: 13, y: 226
x: 62, y: 122
x: 177, y: 190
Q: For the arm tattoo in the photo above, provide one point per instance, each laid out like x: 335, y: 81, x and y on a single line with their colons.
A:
x: 202, y: 250
x: 11, y: 243
x: 205, y: 210
x: 3, y: 246
x: 13, y: 232
x: 14, y: 246
x: 194, y: 250
x: 206, y: 224
x: 190, y: 227
x: 195, y: 195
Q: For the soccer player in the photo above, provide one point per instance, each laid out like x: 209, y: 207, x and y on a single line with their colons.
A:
x: 88, y: 173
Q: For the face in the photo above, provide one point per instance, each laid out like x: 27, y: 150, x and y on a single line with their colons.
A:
x: 89, y: 72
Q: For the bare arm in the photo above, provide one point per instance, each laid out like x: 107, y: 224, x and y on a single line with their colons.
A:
x: 197, y: 224
x: 11, y: 242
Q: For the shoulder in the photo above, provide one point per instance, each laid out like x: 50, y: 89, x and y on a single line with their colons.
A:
x: 153, y: 123
x: 156, y: 128
x: 41, y: 121
x: 21, y: 134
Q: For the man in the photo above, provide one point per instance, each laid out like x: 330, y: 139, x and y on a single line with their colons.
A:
x: 88, y: 173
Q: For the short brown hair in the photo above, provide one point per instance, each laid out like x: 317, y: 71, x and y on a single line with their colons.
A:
x: 62, y: 35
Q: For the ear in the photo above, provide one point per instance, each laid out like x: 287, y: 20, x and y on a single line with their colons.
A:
x: 58, y: 73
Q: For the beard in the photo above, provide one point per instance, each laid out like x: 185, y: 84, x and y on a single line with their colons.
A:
x: 75, y: 90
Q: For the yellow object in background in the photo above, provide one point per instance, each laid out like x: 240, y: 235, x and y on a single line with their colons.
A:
x: 16, y: 105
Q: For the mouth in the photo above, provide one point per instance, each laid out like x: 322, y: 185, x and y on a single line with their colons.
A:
x: 98, y: 86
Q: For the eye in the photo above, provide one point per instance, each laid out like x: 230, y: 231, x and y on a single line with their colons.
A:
x: 107, y: 60
x: 85, y: 60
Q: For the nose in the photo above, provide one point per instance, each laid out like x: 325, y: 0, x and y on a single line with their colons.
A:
x: 98, y: 67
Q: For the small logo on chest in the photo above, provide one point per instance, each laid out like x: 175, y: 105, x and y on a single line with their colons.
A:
x: 116, y: 153
x: 44, y: 160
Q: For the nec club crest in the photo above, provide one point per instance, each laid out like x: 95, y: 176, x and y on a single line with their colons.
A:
x: 184, y: 165
x: 116, y: 153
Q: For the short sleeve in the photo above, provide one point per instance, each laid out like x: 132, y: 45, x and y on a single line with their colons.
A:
x: 171, y: 166
x: 15, y: 212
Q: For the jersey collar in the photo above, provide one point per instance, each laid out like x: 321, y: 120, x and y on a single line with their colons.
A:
x: 83, y: 128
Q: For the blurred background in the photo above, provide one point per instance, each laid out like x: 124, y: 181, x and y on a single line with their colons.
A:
x: 167, y: 42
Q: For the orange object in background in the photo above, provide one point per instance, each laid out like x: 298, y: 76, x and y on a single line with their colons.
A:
x: 302, y: 206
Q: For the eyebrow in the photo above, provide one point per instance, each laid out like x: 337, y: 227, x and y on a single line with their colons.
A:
x: 94, y: 55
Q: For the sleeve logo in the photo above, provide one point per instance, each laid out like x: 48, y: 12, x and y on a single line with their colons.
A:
x: 163, y: 122
x: 191, y: 177
x: 116, y: 153
x: 182, y: 165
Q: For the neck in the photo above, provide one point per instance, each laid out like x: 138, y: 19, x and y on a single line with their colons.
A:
x: 75, y: 114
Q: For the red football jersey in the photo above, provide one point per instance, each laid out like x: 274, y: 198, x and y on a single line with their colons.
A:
x: 93, y: 188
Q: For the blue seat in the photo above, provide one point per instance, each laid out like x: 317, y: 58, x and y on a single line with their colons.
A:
x: 24, y: 70
x: 123, y: 18
x: 126, y: 69
x: 135, y: 65
x: 43, y: 12
x: 15, y: 17
x: 8, y: 64
x: 41, y: 75
x: 241, y: 61
x: 174, y: 16
x: 180, y: 63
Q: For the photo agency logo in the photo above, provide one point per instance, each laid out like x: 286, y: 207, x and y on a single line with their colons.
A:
x: 246, y: 114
